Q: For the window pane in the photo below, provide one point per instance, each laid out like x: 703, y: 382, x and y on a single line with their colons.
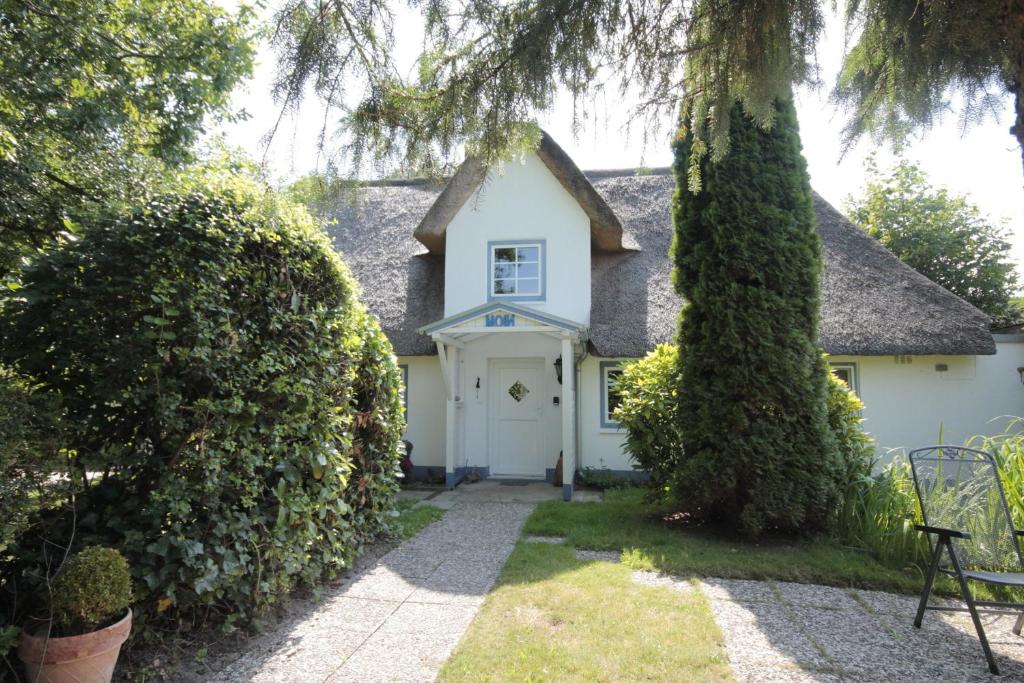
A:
x: 528, y: 285
x: 612, y: 398
x: 529, y: 254
x: 527, y: 269
x: 505, y: 254
x: 504, y: 286
x: 842, y: 373
x: 504, y: 270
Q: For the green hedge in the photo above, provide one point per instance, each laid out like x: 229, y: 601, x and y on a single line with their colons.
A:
x: 242, y: 407
x: 29, y: 452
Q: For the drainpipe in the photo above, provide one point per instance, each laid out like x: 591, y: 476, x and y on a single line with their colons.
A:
x: 578, y: 369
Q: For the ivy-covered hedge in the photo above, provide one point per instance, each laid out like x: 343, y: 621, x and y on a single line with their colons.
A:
x: 238, y: 407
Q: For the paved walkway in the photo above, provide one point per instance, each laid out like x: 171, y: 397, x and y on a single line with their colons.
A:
x: 796, y: 632
x: 400, y: 619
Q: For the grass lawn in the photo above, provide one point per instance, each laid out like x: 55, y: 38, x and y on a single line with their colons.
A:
x: 647, y: 541
x: 552, y: 617
x: 412, y: 520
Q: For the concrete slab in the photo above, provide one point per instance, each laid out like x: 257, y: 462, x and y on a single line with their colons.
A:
x: 497, y: 491
x: 400, y: 619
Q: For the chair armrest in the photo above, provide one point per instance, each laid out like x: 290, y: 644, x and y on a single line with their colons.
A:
x: 952, y: 533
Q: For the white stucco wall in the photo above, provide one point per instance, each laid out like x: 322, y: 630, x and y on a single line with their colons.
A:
x: 521, y: 202
x: 906, y: 405
x: 600, y: 447
x: 473, y: 423
x: 425, y: 414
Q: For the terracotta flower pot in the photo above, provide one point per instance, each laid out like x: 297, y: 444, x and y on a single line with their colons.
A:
x: 88, y: 658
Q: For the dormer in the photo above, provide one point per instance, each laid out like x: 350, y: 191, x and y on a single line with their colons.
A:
x: 522, y: 233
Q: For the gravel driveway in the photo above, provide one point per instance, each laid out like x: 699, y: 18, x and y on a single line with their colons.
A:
x: 797, y: 632
x: 401, y: 618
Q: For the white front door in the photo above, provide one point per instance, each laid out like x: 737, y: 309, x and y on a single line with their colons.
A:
x: 516, y: 408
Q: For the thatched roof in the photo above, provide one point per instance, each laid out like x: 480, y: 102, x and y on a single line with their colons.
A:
x: 605, y: 229
x: 872, y: 304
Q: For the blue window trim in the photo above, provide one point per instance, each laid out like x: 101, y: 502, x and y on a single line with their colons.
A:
x: 603, y: 403
x: 852, y: 367
x: 543, y: 244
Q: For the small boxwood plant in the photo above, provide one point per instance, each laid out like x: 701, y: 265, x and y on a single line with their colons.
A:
x: 92, y: 589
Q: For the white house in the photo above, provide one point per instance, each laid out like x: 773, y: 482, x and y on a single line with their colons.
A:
x: 513, y: 295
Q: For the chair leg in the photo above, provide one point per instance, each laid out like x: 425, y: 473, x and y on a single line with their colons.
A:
x: 932, y: 570
x: 969, y: 599
x: 1020, y: 623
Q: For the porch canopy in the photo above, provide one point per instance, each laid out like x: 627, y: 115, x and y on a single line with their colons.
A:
x: 452, y: 334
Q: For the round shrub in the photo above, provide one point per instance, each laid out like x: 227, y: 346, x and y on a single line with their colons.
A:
x: 210, y: 350
x: 648, y: 411
x: 93, y: 587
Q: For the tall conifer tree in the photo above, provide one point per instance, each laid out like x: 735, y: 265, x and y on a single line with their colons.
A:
x: 758, y: 453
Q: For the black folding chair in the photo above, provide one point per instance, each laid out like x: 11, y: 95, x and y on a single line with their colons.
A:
x: 965, y: 514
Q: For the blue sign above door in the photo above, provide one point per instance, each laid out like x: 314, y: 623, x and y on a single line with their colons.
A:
x: 500, y: 320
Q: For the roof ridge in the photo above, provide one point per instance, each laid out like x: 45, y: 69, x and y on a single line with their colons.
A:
x: 595, y: 174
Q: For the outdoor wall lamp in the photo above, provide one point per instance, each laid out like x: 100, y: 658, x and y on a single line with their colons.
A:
x: 1020, y: 373
x: 558, y: 370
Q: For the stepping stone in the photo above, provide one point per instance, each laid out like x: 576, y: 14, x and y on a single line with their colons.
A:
x: 550, y: 540
x: 598, y: 555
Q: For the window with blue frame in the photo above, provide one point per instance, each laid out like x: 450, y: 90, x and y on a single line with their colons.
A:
x: 516, y: 270
x: 610, y: 373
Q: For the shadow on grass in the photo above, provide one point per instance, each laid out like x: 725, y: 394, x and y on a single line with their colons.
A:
x: 840, y: 626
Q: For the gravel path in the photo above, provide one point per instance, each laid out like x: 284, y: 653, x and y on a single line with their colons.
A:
x: 797, y: 632
x: 401, y: 618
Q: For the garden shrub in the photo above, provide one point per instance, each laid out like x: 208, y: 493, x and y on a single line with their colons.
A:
x: 29, y: 447
x: 758, y: 451
x: 856, y: 447
x: 878, y: 515
x: 240, y: 404
x: 648, y: 411
x: 93, y: 587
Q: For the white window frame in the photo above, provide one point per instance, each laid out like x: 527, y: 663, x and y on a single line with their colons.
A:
x: 541, y: 293
x: 851, y: 368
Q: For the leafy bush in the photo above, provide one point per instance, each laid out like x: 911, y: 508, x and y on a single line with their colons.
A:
x: 93, y: 587
x: 1008, y: 450
x: 219, y: 371
x: 759, y: 454
x: 29, y: 445
x: 856, y: 447
x: 648, y: 411
x: 879, y: 512
x: 878, y: 515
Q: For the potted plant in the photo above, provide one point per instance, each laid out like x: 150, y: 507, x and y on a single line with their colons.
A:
x: 89, y: 620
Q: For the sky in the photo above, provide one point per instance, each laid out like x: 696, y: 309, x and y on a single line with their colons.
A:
x: 982, y: 162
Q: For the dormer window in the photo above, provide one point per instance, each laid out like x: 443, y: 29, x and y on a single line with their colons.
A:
x: 516, y: 270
